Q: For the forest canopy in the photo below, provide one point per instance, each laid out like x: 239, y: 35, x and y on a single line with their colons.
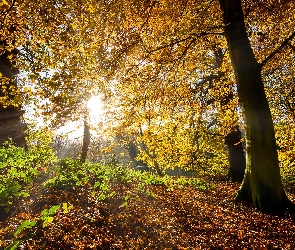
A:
x: 178, y: 77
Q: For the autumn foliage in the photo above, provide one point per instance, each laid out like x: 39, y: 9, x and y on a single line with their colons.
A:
x: 177, y: 78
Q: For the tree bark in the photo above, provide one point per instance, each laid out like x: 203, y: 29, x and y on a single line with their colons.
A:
x: 262, y: 182
x: 11, y: 126
x: 236, y: 155
x: 157, y: 167
x: 86, y: 139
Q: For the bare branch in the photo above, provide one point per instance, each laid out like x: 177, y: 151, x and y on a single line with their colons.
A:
x: 271, y: 55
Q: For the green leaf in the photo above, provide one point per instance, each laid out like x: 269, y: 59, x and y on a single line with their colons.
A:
x: 53, y: 209
x: 47, y: 221
x: 66, y: 208
x: 44, y: 213
x: 12, y: 246
x: 102, y: 197
x: 124, y: 204
x: 25, y: 224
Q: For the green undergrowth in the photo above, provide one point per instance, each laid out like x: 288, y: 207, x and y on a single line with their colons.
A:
x: 46, y: 217
x: 19, y: 168
x: 70, y: 174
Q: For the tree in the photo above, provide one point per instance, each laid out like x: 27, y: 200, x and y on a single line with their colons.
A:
x: 168, y: 37
x: 237, y: 159
x: 262, y: 182
x: 233, y: 137
x: 61, y: 60
x: 86, y: 136
x: 158, y: 51
x: 11, y: 126
x: 179, y: 135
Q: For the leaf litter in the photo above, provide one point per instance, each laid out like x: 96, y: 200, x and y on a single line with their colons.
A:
x: 184, y: 218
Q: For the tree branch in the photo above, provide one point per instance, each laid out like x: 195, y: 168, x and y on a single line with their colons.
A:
x: 148, y: 15
x: 291, y: 46
x: 7, y: 12
x: 169, y: 44
x: 271, y: 55
x: 192, y: 36
x: 186, y: 49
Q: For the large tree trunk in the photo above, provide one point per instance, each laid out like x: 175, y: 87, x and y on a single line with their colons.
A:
x: 236, y: 155
x: 262, y: 182
x: 11, y: 126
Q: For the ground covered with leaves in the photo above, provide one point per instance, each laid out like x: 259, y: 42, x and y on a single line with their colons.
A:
x: 159, y: 214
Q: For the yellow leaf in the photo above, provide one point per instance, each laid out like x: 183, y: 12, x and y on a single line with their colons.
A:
x: 4, y: 2
x: 27, y: 89
x: 91, y: 8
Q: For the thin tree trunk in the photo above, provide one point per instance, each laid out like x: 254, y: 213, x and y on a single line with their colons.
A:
x: 86, y: 139
x: 157, y: 167
x: 152, y: 155
x: 262, y: 182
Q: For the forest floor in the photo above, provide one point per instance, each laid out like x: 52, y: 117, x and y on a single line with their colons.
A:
x: 160, y: 219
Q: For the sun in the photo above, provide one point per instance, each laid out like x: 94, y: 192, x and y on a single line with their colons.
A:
x: 96, y: 107
x: 74, y: 129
